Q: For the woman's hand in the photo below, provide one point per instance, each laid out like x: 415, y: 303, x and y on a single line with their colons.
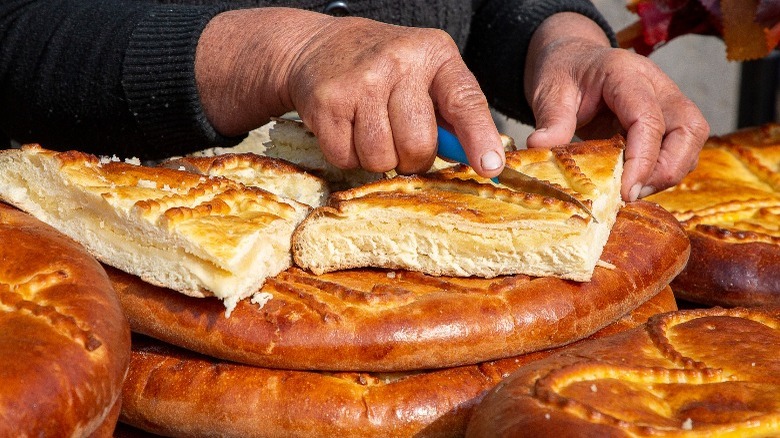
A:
x: 576, y: 83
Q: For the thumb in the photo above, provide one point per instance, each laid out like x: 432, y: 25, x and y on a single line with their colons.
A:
x: 556, y: 116
x: 465, y: 111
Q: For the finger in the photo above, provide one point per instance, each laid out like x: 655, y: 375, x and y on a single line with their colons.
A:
x: 636, y: 106
x: 413, y: 122
x: 373, y: 137
x: 334, y: 135
x: 555, y: 106
x: 687, y: 130
x: 463, y: 106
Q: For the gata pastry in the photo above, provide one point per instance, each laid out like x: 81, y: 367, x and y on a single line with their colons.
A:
x: 697, y: 373
x: 199, y: 235
x: 200, y: 394
x: 730, y: 208
x: 290, y: 140
x: 391, y: 320
x: 276, y: 176
x: 452, y: 222
x: 64, y: 341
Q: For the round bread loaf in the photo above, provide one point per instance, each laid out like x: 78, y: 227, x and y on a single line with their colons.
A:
x: 730, y: 208
x: 694, y: 373
x: 721, y: 272
x: 176, y: 393
x: 64, y: 342
x: 375, y: 320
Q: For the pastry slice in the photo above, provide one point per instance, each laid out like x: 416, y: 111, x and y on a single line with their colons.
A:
x: 454, y: 223
x: 198, y: 235
x: 276, y: 176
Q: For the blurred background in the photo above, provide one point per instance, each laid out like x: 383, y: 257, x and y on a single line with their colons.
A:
x: 696, y: 63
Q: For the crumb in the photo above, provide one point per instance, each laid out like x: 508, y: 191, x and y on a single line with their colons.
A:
x: 752, y: 364
x: 134, y: 161
x: 391, y: 274
x: 147, y: 184
x: 687, y: 424
x: 261, y: 298
x: 606, y: 265
x: 547, y: 416
x: 593, y: 388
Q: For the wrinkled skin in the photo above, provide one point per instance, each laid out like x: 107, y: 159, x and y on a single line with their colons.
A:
x: 373, y: 92
x: 576, y: 83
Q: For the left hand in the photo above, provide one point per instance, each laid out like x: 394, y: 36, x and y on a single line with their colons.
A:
x: 576, y: 83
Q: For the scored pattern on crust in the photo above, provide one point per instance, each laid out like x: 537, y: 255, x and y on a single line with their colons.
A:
x: 551, y: 388
x: 272, y: 174
x: 576, y: 177
x: 440, y: 186
x: 736, y: 195
x: 19, y: 297
x: 399, y: 288
x: 556, y: 166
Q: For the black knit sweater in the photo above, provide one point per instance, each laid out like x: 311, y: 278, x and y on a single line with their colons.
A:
x: 117, y: 76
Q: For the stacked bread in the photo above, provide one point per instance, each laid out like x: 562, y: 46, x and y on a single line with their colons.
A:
x: 64, y: 342
x: 339, y: 320
x: 730, y: 208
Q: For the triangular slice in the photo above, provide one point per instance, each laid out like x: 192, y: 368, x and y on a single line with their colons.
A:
x: 195, y: 234
x: 454, y: 223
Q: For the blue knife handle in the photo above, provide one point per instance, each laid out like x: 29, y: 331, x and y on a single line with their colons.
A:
x: 449, y: 147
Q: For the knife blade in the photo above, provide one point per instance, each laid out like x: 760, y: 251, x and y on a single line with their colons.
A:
x: 449, y: 147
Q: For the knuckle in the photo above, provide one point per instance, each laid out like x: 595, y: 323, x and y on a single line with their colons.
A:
x: 465, y: 98
x: 379, y: 163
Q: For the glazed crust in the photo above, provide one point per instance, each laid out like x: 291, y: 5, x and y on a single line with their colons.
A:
x: 729, y: 206
x: 456, y: 223
x: 176, y: 393
x: 380, y: 320
x: 706, y: 372
x: 716, y: 275
x: 64, y: 342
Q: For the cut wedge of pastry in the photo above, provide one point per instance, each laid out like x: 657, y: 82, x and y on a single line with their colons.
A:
x: 454, y: 223
x: 275, y: 175
x: 196, y: 234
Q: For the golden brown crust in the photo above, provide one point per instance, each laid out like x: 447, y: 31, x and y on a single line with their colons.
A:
x: 456, y: 223
x: 110, y: 422
x: 272, y: 174
x: 688, y: 373
x: 380, y: 320
x: 750, y: 277
x: 729, y: 206
x: 202, y: 397
x: 64, y: 342
x: 193, y: 233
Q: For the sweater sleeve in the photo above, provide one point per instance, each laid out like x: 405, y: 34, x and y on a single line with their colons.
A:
x: 496, y: 50
x: 103, y: 76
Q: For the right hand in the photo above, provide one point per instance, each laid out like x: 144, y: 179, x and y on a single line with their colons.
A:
x: 371, y: 92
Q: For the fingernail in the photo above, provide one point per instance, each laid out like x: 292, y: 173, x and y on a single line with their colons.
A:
x: 633, y: 194
x: 541, y: 130
x: 491, y: 160
x: 646, y: 191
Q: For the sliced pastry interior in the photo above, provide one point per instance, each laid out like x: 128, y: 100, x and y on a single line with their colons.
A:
x: 452, y: 222
x: 199, y: 235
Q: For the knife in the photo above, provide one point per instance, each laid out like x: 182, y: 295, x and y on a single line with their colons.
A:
x: 449, y: 148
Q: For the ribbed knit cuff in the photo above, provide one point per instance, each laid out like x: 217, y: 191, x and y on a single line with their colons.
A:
x: 159, y: 80
x: 498, y: 47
